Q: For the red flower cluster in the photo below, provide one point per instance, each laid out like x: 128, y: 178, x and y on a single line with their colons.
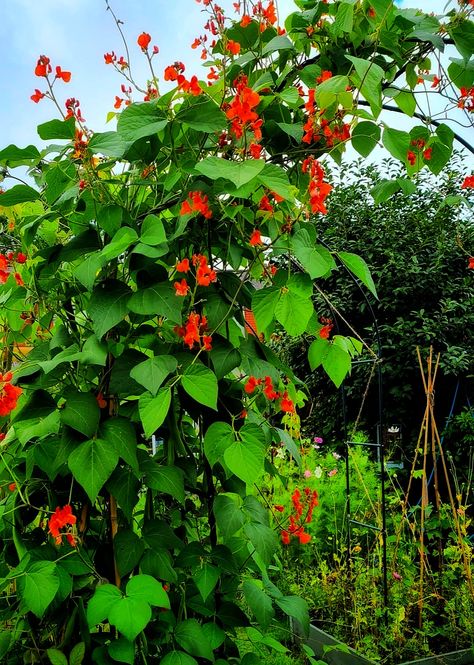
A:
x: 8, y: 394
x: 302, y: 503
x: 43, y: 69
x: 233, y: 47
x: 198, y: 203
x: 325, y: 331
x: 286, y: 404
x: 266, y: 15
x: 200, y: 41
x: 318, y: 190
x: 466, y: 99
x: 6, y: 263
x: 470, y: 264
x: 72, y: 109
x: 419, y: 146
x: 256, y: 239
x: 317, y: 127
x: 111, y: 59
x: 204, y: 273
x: 241, y: 111
x: 175, y: 73
x: 80, y: 145
x: 62, y: 517
x: 144, y: 40
x: 468, y: 182
x: 193, y: 332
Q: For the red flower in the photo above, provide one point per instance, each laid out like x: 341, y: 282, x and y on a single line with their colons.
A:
x: 325, y: 75
x: 143, y: 40
x: 61, y: 518
x: 101, y: 401
x: 470, y: 264
x: 246, y: 20
x: 256, y: 239
x: 8, y: 394
x: 371, y: 12
x: 304, y: 537
x: 18, y: 279
x: 411, y: 157
x: 468, y: 182
x: 20, y: 258
x: 255, y: 150
x: 38, y: 95
x: 43, y: 67
x: 193, y: 330
x: 181, y: 288
x: 251, y: 384
x: 110, y: 58
x: 199, y: 203
x: 325, y: 331
x: 183, y: 266
x: 285, y: 537
x: 233, y: 47
x: 118, y: 102
x: 436, y: 82
x: 287, y: 404
x: 65, y: 76
x: 427, y: 154
x: 279, y: 508
x: 265, y: 204
x: 240, y: 110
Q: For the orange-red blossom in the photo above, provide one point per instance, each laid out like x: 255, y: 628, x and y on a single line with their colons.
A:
x: 9, y: 394
x: 62, y: 517
x: 301, y: 503
x: 193, y: 332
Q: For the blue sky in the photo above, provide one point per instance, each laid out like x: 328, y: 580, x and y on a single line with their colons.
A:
x: 75, y: 34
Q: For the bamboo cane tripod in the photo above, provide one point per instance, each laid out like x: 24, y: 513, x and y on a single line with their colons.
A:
x: 429, y: 443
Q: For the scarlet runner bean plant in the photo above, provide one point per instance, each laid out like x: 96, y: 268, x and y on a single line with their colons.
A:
x: 139, y: 406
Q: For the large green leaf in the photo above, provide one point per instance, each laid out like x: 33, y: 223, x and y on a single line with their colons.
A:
x: 365, y: 137
x: 189, y: 635
x: 237, y: 172
x: 218, y: 438
x: 159, y: 300
x: 245, y: 457
x: 205, y: 578
x: 201, y: 384
x: 128, y: 550
x: 263, y: 538
x: 315, y: 259
x: 108, y: 305
x: 91, y: 464
x: 336, y: 364
x: 19, y: 194
x: 122, y: 650
x: 124, y: 486
x: 264, y: 302
x: 56, y: 657
x: 359, y: 268
x: 167, y: 479
x: 293, y: 311
x: 110, y: 144
x: 229, y: 515
x: 121, y: 241
x: 203, y: 115
x: 153, y: 410
x: 369, y: 79
x: 130, y: 616
x: 120, y: 433
x: 104, y: 598
x: 87, y: 271
x: 37, y: 586
x: 81, y: 412
x: 296, y: 608
x: 178, y: 658
x: 259, y: 602
x: 397, y: 142
x: 140, y: 120
x: 152, y: 231
x: 276, y: 180
x: 152, y: 372
x: 57, y: 129
x: 148, y: 589
x: 13, y: 156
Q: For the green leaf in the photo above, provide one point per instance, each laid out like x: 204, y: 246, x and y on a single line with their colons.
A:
x: 121, y: 241
x: 440, y: 156
x: 91, y: 464
x: 263, y: 538
x: 166, y: 479
x: 124, y: 486
x: 215, y: 636
x: 201, y: 384
x: 104, y: 598
x: 224, y: 358
x: 218, y: 438
x: 178, y: 658
x: 275, y: 179
x: 37, y: 586
x: 130, y: 616
x: 365, y: 137
x: 152, y: 372
x: 140, y: 120
x: 384, y: 190
x: 110, y: 144
x: 293, y: 311
x: 344, y: 19
x: 153, y: 410
x: 122, y: 650
x: 404, y: 99
x: 396, y: 142
x: 370, y: 76
x: 463, y: 34
x: 205, y: 578
x: 238, y: 173
x: 359, y: 268
x: 77, y: 654
x: 278, y: 43
x: 245, y: 458
x: 152, y: 231
x: 259, y: 603
x: 81, y: 412
x: 461, y: 72
x: 264, y: 302
x: 87, y: 271
x: 159, y: 300
x: 158, y: 563
x: 203, y: 115
x: 57, y: 129
x: 296, y: 608
x: 128, y: 550
x: 146, y: 588
x: 120, y: 433
x: 336, y: 363
x: 317, y: 352
x: 108, y: 305
x: 189, y: 635
x: 229, y: 516
x: 56, y: 657
x: 315, y: 259
x: 18, y: 194
x: 12, y: 156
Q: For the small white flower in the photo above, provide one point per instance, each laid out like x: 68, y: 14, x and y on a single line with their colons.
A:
x: 318, y: 472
